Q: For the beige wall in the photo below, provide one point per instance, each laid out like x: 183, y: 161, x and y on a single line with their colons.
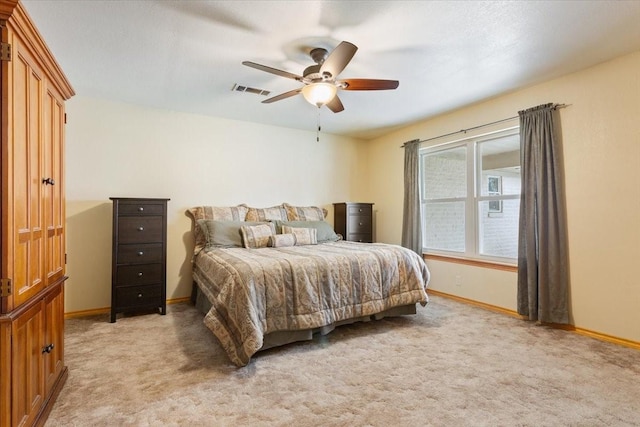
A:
x: 601, y: 138
x: 116, y: 149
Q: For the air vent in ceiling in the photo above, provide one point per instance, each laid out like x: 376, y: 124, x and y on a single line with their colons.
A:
x: 240, y: 88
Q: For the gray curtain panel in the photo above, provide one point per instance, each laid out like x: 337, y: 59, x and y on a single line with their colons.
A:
x: 543, y: 264
x: 411, y: 221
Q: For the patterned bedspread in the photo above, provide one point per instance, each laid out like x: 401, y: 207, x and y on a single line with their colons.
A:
x: 257, y: 291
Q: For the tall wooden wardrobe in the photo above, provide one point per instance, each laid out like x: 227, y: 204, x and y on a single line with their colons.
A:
x: 32, y: 232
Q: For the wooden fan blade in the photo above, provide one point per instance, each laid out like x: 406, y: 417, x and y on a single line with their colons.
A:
x: 335, y: 105
x: 368, y: 84
x: 338, y: 59
x: 282, y: 96
x: 272, y: 70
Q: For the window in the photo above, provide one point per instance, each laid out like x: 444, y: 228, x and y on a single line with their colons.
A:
x: 471, y: 197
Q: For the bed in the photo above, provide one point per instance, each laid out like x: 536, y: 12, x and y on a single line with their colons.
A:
x: 271, y: 276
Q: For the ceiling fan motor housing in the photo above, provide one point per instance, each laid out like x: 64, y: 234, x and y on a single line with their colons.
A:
x: 312, y: 73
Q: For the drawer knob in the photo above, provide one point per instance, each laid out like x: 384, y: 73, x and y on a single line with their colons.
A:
x: 140, y: 295
x: 140, y: 228
x: 140, y: 274
x: 141, y: 209
x: 360, y: 210
x: 360, y: 223
x: 140, y: 253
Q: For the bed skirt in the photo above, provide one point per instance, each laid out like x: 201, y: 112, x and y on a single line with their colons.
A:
x: 276, y: 339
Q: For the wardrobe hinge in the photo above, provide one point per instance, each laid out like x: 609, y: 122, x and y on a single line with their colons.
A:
x: 5, y: 52
x: 5, y: 287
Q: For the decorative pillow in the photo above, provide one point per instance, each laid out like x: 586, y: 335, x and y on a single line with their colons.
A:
x: 223, y: 234
x: 282, y: 240
x: 266, y: 214
x: 305, y: 213
x: 257, y: 236
x: 325, y: 232
x: 304, y: 236
x: 231, y: 213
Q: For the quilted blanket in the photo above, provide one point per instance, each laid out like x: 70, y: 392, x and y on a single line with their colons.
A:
x: 257, y: 291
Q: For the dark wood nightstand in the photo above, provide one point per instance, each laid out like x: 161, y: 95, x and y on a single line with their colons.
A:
x: 354, y: 221
x: 139, y: 255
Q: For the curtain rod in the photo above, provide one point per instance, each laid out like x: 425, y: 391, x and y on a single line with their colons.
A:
x: 555, y: 107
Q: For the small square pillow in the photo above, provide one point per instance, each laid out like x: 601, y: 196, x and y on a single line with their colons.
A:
x: 304, y: 213
x: 304, y: 236
x: 282, y: 240
x: 266, y: 214
x: 257, y: 236
x: 325, y: 230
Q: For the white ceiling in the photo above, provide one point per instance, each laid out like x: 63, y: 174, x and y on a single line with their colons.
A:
x: 186, y: 55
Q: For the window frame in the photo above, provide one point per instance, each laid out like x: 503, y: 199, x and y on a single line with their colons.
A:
x: 473, y: 198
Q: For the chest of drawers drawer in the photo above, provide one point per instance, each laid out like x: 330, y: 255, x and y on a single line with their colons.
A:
x: 144, y: 274
x: 141, y: 208
x: 140, y: 229
x: 140, y: 253
x: 134, y: 297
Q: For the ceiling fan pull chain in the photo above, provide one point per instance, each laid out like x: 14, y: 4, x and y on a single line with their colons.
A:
x: 318, y: 121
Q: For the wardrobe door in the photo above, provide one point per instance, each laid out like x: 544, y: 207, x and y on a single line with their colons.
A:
x: 53, y: 186
x: 27, y: 391
x: 27, y: 165
x: 53, y: 341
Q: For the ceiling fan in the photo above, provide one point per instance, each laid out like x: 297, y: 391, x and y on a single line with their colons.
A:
x: 320, y: 80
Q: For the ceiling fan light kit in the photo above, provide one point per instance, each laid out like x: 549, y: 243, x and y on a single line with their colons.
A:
x: 319, y: 94
x: 320, y: 84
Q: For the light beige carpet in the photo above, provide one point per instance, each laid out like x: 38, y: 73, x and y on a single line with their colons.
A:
x: 450, y: 365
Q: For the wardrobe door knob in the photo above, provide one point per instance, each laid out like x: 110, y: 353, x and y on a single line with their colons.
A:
x: 140, y: 228
x: 140, y: 274
x: 140, y: 253
x: 141, y: 209
x: 140, y: 295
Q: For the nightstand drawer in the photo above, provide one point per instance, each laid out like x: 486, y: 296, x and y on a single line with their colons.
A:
x: 140, y: 253
x: 360, y: 210
x: 141, y: 209
x: 140, y: 229
x: 359, y: 237
x: 138, y: 296
x: 144, y: 274
x: 359, y: 224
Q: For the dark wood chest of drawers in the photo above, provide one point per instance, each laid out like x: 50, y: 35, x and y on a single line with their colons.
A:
x: 354, y: 221
x: 139, y: 255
